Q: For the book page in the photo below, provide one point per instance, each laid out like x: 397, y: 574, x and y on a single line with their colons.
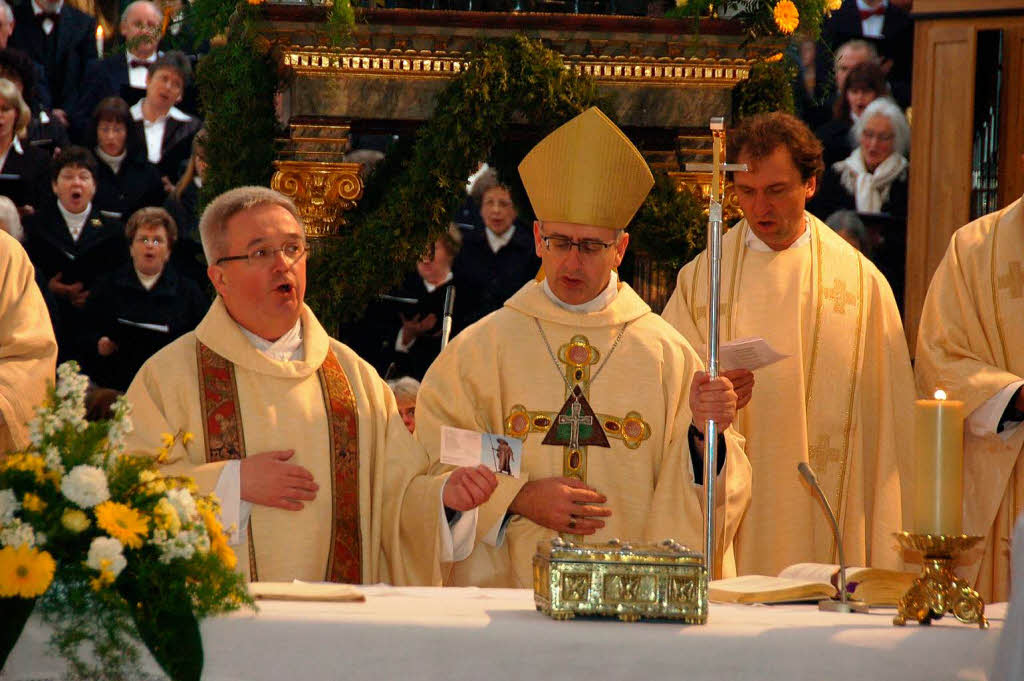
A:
x: 747, y: 353
x: 762, y: 589
x: 814, y: 572
x: 305, y: 591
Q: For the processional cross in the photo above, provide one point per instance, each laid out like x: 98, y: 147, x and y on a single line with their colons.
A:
x: 718, y: 167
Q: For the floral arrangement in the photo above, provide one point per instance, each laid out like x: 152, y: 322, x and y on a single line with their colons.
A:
x: 105, y: 548
x: 766, y: 18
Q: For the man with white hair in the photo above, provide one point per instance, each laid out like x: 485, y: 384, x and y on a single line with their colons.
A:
x: 122, y: 74
x: 297, y: 435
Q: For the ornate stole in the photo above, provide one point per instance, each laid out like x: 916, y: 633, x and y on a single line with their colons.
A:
x: 222, y: 426
x: 833, y: 355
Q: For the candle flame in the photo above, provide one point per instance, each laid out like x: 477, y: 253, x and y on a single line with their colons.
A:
x: 99, y: 32
x: 940, y: 394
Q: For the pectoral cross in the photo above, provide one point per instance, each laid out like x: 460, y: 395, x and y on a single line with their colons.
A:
x: 575, y: 420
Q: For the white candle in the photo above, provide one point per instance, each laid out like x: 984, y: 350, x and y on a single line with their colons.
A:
x: 99, y: 42
x: 939, y: 458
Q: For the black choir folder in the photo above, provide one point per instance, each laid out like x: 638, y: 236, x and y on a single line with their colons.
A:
x: 813, y: 582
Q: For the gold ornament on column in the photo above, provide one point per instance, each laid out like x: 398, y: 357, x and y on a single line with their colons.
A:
x: 322, y: 191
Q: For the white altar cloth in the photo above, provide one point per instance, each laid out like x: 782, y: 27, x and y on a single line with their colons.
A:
x: 423, y: 634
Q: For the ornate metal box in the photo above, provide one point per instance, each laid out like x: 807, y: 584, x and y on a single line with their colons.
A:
x: 652, y: 581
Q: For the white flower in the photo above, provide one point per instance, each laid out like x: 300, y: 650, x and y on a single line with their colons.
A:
x: 17, y: 533
x: 53, y: 459
x: 9, y: 505
x: 85, y: 486
x: 120, y: 425
x: 106, y: 549
x: 184, y: 504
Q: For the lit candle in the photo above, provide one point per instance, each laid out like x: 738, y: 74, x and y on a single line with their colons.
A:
x: 939, y: 458
x: 99, y: 42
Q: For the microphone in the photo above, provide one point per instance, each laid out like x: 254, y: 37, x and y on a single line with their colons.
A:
x: 843, y: 604
x: 446, y: 320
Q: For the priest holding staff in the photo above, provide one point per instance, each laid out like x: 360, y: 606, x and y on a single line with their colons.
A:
x: 608, y: 399
x: 841, y: 399
x: 969, y: 344
x: 299, y: 438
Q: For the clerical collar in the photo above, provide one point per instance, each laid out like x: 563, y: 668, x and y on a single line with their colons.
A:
x: 433, y: 287
x: 148, y: 281
x: 598, y: 303
x: 499, y: 241
x: 75, y: 221
x: 287, y: 348
x: 113, y: 161
x: 754, y: 242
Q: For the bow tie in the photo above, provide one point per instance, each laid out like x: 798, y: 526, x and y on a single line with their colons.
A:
x: 866, y: 14
x: 136, y: 63
x: 52, y: 16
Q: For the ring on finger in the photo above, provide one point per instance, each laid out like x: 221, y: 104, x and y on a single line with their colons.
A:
x: 572, y: 522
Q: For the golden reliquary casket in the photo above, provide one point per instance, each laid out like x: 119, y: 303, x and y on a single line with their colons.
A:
x: 617, y: 579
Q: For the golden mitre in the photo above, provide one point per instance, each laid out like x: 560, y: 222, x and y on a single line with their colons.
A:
x: 586, y: 172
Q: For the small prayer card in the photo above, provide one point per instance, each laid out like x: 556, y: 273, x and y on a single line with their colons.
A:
x: 500, y: 453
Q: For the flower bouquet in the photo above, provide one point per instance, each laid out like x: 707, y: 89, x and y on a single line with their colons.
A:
x: 765, y: 18
x: 107, y: 550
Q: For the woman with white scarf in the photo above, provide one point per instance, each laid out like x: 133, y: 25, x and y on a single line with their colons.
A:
x: 872, y: 181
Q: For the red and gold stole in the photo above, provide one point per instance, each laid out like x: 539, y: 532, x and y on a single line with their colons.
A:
x: 225, y: 440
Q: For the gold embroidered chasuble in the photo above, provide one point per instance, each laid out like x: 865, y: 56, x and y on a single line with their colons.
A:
x: 282, y: 407
x: 839, y: 400
x: 969, y: 344
x: 498, y: 377
x: 28, y: 350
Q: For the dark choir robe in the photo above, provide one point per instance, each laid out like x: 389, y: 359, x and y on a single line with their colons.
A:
x: 65, y: 53
x: 100, y: 249
x: 494, y: 277
x: 104, y: 78
x: 25, y: 175
x: 139, y: 321
x: 135, y: 185
x: 188, y: 254
x: 177, y: 140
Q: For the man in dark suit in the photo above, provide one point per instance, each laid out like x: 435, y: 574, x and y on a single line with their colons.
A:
x: 123, y: 74
x: 886, y: 25
x: 167, y: 130
x: 61, y: 39
x: 71, y: 244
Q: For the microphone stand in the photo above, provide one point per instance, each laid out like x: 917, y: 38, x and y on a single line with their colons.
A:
x: 717, y: 168
x: 446, y: 320
x: 843, y: 604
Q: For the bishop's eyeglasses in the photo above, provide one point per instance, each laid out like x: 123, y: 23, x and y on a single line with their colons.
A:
x: 563, y: 244
x: 263, y: 256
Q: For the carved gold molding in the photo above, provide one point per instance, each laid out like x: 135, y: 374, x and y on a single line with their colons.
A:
x: 428, y: 64
x: 699, y: 184
x: 322, y: 191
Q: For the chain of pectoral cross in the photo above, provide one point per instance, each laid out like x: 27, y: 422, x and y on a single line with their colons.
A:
x: 575, y: 420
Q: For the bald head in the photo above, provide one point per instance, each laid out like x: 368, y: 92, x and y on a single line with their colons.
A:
x: 142, y: 27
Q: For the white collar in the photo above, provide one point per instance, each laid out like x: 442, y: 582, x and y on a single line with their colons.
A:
x: 433, y: 287
x: 175, y: 113
x: 596, y: 304
x: 148, y: 281
x: 37, y: 10
x: 864, y: 6
x: 16, y: 145
x: 75, y: 220
x: 287, y: 348
x: 128, y: 56
x: 499, y: 241
x: 754, y: 242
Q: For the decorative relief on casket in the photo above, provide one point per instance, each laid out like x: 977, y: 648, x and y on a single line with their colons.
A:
x: 616, y: 579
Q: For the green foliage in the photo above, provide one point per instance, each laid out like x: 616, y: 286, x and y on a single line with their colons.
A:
x: 670, y: 225
x: 769, y: 88
x: 413, y: 193
x: 757, y: 16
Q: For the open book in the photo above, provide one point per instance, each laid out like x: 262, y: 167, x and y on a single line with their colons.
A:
x: 813, y: 582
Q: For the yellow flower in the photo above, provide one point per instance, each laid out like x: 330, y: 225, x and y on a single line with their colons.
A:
x: 104, y: 578
x: 32, y: 502
x: 75, y: 521
x: 162, y: 455
x: 167, y: 440
x: 787, y: 18
x: 255, y: 2
x: 122, y: 523
x: 187, y: 438
x: 218, y: 542
x: 774, y: 58
x: 153, y: 481
x: 25, y: 572
x: 833, y: 5
x: 166, y: 517
x: 23, y: 461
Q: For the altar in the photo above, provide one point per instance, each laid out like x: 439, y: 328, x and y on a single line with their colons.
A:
x: 496, y: 634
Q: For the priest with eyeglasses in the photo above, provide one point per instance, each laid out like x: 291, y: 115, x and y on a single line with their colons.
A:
x: 609, y: 401
x: 299, y: 438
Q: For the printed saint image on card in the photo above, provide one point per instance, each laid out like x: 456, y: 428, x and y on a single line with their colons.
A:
x: 500, y: 453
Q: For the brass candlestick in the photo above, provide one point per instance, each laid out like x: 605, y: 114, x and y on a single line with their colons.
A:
x: 937, y: 590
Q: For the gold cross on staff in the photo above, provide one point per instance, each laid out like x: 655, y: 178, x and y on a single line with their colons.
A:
x: 718, y: 167
x: 1014, y: 280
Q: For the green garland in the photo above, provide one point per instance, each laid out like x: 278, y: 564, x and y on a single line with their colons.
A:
x: 769, y: 88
